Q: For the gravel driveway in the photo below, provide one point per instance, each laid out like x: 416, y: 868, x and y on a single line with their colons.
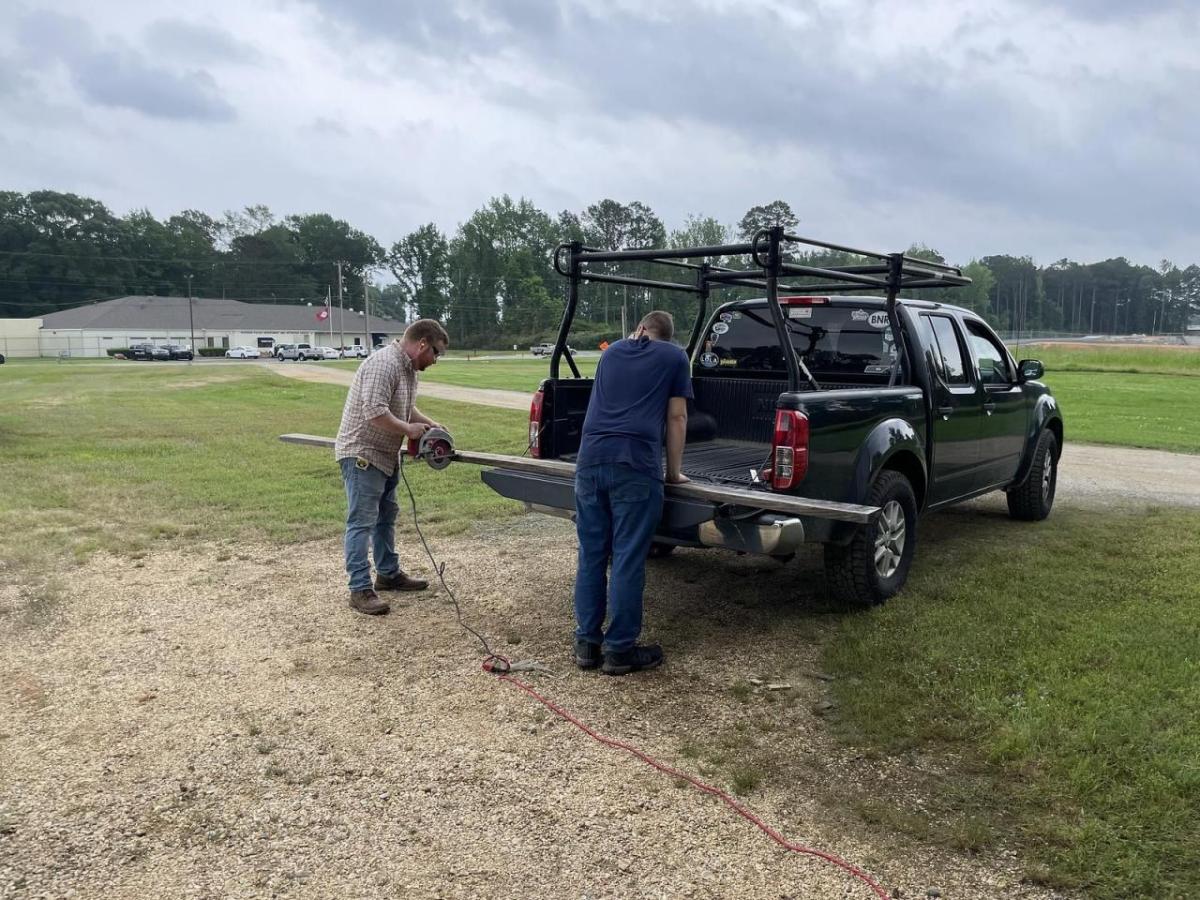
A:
x: 216, y: 723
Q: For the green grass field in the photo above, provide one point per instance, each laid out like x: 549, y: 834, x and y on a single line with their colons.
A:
x: 120, y: 457
x: 1058, y: 677
x: 1049, y: 671
x: 1158, y: 360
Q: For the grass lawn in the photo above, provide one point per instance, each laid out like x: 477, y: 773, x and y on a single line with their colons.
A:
x: 1161, y: 412
x: 118, y: 458
x: 1148, y: 360
x: 1062, y: 676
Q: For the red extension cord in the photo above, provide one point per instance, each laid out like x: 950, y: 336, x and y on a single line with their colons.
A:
x: 490, y: 665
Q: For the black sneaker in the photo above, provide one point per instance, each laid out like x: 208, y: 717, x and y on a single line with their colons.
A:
x: 622, y: 662
x: 587, y: 654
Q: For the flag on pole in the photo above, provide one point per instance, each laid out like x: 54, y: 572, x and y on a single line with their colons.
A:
x: 323, y: 312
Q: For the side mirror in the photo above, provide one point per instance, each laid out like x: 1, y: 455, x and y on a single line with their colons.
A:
x: 1031, y: 369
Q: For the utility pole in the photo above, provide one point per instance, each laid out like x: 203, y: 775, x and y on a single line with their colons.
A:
x: 191, y: 320
x: 341, y: 309
x: 329, y: 312
x: 366, y: 315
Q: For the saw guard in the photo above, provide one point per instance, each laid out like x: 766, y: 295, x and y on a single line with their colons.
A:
x: 436, y: 447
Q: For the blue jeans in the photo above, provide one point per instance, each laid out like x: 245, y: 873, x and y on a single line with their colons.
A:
x: 371, y: 517
x: 617, y: 510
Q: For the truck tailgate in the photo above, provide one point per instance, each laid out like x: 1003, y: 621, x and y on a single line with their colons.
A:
x: 693, y: 491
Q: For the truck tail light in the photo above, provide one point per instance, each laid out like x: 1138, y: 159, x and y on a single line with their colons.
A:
x: 789, y: 449
x: 535, y: 425
x: 804, y: 301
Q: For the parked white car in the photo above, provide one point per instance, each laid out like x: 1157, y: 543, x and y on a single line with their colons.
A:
x: 324, y: 353
x: 242, y: 353
x: 358, y: 350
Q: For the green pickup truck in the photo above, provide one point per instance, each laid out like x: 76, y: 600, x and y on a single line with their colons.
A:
x: 896, y: 407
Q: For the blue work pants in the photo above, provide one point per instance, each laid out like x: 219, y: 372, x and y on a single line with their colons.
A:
x: 617, y: 510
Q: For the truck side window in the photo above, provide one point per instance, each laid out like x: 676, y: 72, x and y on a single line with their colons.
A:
x: 993, y: 361
x: 948, y: 346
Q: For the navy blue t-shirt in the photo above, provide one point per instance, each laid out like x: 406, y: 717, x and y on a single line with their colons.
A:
x: 628, y: 408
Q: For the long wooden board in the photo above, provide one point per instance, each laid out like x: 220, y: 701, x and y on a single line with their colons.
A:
x: 783, y: 503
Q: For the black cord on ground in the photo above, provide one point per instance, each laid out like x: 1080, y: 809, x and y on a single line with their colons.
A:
x: 494, y: 661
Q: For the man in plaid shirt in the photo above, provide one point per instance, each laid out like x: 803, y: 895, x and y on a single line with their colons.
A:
x: 380, y: 413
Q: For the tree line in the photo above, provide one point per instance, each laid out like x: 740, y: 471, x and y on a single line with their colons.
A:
x: 491, y: 281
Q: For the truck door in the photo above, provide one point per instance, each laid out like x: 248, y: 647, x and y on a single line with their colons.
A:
x: 957, y: 410
x: 1002, y: 428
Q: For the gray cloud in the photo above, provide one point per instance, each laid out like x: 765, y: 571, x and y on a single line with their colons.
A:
x: 922, y: 124
x: 198, y: 42
x: 110, y: 73
x: 326, y: 125
x: 113, y: 79
x: 1110, y: 10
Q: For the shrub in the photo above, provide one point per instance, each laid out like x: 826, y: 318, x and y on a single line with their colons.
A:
x: 211, y: 351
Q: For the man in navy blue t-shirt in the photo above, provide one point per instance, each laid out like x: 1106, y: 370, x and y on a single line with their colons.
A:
x: 642, y: 384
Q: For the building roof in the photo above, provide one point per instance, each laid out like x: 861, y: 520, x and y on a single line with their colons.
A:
x: 212, y: 313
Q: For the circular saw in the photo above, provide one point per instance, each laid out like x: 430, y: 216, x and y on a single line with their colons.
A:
x: 436, y: 447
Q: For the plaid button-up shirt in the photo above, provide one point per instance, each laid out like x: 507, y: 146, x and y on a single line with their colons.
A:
x: 386, y: 381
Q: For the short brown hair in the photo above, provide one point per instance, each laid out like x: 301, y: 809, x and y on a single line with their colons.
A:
x: 661, y: 323
x: 430, y: 330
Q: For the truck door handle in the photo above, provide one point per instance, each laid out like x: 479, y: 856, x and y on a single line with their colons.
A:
x: 944, y: 411
x: 989, y: 408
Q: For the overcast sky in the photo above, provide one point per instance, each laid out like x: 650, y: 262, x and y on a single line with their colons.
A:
x: 1051, y: 129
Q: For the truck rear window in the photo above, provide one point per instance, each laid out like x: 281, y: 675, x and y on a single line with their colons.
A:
x: 832, y: 340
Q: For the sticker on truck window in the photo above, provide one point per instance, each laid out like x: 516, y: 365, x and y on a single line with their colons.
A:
x: 720, y: 327
x: 858, y: 315
x: 800, y: 312
x: 709, y: 360
x: 878, y: 320
x: 726, y: 317
x: 877, y: 370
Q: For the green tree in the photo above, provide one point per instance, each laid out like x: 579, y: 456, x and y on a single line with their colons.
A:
x: 768, y: 215
x: 420, y: 262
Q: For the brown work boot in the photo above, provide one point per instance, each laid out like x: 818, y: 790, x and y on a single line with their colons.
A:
x: 368, y: 602
x: 399, y: 582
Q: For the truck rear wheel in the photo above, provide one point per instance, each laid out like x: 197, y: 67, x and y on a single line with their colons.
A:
x: 659, y: 550
x: 1032, y: 499
x: 875, y: 564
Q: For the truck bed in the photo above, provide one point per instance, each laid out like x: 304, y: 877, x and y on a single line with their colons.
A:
x: 721, y: 462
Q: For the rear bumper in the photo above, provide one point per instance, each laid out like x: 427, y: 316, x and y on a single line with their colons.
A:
x: 767, y: 534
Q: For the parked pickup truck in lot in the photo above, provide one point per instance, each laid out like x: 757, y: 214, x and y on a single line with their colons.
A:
x: 547, y: 349
x: 294, y: 352
x: 876, y: 409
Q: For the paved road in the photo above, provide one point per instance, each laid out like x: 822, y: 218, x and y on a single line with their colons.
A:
x: 1089, y: 474
x: 482, y: 396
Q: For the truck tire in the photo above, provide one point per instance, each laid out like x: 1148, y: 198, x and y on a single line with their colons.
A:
x: 659, y: 550
x: 875, y: 564
x: 1032, y: 499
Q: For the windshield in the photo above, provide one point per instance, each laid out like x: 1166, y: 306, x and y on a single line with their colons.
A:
x: 832, y: 340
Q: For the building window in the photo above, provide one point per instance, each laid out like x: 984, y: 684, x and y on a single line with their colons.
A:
x: 225, y: 342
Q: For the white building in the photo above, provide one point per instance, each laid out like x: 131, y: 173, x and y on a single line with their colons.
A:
x: 95, y: 328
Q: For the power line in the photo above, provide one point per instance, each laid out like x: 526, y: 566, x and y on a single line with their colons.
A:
x: 200, y: 261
